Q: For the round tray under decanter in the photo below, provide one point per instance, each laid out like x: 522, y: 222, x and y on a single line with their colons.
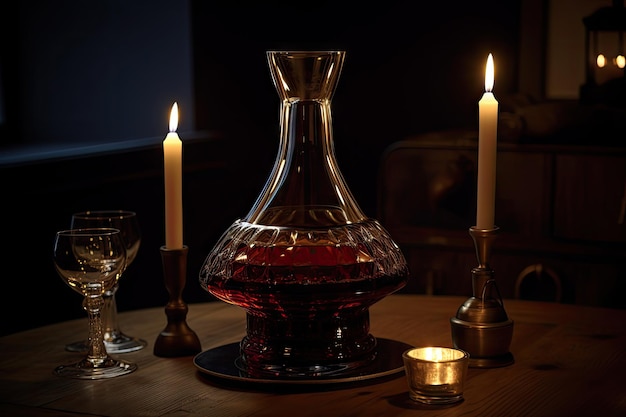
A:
x: 224, y: 363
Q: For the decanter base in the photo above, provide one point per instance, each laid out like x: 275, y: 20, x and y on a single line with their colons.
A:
x: 325, y: 344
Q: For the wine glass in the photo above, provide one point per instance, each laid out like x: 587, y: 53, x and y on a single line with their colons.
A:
x: 91, y: 261
x: 126, y: 221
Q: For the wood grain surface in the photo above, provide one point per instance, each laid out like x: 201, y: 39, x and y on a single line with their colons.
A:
x: 569, y: 361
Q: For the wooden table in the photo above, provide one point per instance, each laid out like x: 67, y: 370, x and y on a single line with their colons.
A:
x: 569, y: 361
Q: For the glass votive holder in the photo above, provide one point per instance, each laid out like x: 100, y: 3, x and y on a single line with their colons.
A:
x: 435, y: 375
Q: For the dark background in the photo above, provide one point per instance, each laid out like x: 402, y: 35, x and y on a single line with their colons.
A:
x: 408, y: 69
x: 87, y: 89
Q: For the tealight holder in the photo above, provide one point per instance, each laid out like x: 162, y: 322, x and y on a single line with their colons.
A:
x: 481, y: 326
x: 436, y: 375
x: 177, y: 339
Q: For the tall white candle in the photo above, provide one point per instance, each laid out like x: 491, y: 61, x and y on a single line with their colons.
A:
x: 487, y: 144
x: 172, y: 155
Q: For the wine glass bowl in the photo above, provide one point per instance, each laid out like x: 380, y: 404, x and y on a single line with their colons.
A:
x: 90, y: 261
x: 127, y: 223
x: 124, y: 220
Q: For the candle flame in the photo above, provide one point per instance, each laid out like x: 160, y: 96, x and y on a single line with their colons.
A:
x: 174, y: 118
x: 489, y: 74
x: 600, y: 61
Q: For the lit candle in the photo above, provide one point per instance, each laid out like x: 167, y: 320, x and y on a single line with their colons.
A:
x: 172, y: 155
x: 436, y: 375
x: 487, y: 142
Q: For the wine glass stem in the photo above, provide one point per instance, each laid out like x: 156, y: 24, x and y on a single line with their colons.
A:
x: 97, y: 352
x: 109, y: 315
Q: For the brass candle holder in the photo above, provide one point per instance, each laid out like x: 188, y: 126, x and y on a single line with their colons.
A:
x: 177, y: 339
x: 481, y: 326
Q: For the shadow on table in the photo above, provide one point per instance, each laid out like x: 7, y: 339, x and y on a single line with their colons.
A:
x: 402, y: 400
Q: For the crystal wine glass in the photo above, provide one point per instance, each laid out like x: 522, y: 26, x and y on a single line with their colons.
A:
x: 126, y: 221
x: 91, y: 261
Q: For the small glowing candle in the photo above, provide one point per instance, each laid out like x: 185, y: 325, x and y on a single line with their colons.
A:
x: 172, y: 155
x: 487, y: 142
x: 436, y: 375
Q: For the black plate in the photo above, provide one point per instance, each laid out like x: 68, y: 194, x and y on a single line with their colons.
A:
x: 222, y: 362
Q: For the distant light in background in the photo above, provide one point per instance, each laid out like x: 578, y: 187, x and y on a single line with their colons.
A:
x: 604, y: 55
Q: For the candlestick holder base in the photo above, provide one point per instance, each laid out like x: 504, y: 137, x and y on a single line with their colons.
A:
x: 481, y: 325
x: 177, y: 339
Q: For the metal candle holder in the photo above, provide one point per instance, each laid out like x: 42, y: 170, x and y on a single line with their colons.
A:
x: 177, y: 339
x: 481, y: 326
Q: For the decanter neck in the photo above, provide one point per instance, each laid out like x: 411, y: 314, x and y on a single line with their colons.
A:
x: 306, y: 187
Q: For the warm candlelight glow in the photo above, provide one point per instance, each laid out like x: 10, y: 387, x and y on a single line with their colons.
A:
x: 172, y: 154
x: 174, y: 117
x: 489, y: 74
x: 620, y: 61
x: 435, y: 374
x: 487, y: 138
x: 601, y: 61
x: 436, y: 354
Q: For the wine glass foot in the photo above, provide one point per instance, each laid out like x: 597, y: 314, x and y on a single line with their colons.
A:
x: 84, y: 370
x: 121, y: 343
x: 117, y: 343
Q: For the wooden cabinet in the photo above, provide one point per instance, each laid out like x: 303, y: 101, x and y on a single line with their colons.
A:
x: 559, y: 209
x: 590, y: 196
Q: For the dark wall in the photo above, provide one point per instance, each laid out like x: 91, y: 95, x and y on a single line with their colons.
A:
x: 94, y: 71
x: 409, y: 69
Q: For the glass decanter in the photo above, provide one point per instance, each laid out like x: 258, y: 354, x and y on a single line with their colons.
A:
x: 305, y: 263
